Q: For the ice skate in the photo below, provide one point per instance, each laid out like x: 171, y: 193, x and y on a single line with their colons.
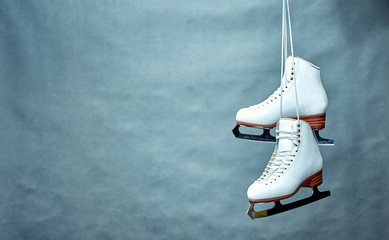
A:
x: 312, y: 97
x: 296, y: 162
x: 312, y: 103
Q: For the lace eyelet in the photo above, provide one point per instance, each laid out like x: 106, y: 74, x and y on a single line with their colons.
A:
x: 298, y: 125
x: 292, y: 73
x: 298, y: 135
x: 298, y: 141
x: 291, y: 78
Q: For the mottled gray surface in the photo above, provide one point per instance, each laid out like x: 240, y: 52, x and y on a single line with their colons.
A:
x: 116, y: 117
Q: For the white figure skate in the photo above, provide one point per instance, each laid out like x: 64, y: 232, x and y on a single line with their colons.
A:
x: 312, y: 103
x: 296, y: 162
x: 312, y: 96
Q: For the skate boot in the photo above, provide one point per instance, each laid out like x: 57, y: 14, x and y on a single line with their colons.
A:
x: 296, y: 162
x: 312, y: 102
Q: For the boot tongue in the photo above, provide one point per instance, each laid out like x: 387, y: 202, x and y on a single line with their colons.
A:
x: 289, y: 61
x: 285, y: 125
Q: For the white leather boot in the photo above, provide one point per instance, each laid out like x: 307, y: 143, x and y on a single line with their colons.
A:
x: 296, y: 162
x: 312, y: 99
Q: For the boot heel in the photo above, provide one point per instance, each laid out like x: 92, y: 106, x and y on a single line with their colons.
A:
x: 316, y: 121
x: 315, y: 180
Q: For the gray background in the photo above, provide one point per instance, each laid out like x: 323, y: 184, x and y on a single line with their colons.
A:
x: 116, y: 117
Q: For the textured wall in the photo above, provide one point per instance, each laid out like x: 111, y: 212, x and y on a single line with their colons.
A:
x: 116, y: 117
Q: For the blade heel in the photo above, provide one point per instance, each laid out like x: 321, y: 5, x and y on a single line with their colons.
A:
x: 316, y: 121
x: 315, y: 180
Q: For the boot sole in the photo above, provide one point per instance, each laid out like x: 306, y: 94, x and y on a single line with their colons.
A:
x: 311, y: 182
x: 317, y: 121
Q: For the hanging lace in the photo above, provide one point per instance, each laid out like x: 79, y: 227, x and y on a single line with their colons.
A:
x: 286, y: 25
x: 284, y: 52
x: 282, y: 159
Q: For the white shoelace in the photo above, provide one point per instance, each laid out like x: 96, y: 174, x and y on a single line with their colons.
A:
x: 284, y: 56
x: 281, y: 159
x: 284, y: 52
x: 274, y: 96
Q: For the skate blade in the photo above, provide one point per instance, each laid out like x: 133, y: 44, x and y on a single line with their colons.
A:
x: 323, y: 141
x: 280, y: 208
x: 264, y: 137
x: 267, y: 137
